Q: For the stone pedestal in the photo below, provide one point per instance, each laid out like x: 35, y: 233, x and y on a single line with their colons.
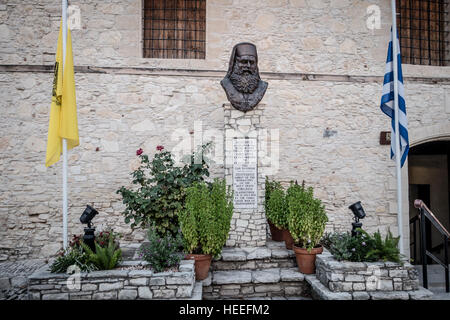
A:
x: 244, y: 173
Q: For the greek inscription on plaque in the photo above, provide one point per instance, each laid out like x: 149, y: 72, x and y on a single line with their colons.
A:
x: 245, y: 183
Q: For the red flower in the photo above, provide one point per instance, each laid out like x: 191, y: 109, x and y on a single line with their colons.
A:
x: 139, y: 152
x: 159, y: 148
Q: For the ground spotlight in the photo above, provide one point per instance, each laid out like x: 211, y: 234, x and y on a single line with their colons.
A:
x: 358, y: 213
x: 89, y: 233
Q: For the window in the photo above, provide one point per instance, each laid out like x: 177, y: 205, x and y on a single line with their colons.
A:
x: 174, y: 29
x: 422, y: 31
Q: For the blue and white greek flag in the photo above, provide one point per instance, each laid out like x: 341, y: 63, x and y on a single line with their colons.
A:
x: 387, y: 103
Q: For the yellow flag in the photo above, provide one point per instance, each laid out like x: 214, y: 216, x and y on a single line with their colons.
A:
x: 63, y: 114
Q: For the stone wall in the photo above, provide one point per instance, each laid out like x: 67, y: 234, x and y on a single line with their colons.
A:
x: 318, y: 36
x: 346, y: 276
x: 366, y: 280
x: 114, y: 284
x: 329, y: 122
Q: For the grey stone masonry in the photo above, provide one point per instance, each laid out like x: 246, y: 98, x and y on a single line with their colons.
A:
x: 127, y: 284
x: 14, y: 277
x: 344, y: 280
x: 272, y: 255
x: 244, y: 284
x: 248, y: 226
x: 268, y: 272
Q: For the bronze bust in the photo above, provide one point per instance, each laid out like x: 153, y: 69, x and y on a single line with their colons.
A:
x: 242, y: 84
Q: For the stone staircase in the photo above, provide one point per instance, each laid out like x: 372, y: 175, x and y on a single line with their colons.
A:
x: 268, y: 272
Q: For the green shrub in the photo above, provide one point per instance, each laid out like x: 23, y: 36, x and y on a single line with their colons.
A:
x: 205, y: 222
x: 338, y: 244
x: 344, y: 246
x: 269, y: 186
x: 276, y: 207
x: 73, y: 256
x: 104, y: 258
x: 161, y: 196
x: 363, y: 247
x: 386, y: 250
x: 162, y: 253
x: 306, y: 216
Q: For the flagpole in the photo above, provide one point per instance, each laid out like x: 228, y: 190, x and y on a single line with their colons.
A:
x: 64, y: 142
x: 397, y: 131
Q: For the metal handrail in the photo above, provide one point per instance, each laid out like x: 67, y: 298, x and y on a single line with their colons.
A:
x: 414, y: 221
x: 425, y: 213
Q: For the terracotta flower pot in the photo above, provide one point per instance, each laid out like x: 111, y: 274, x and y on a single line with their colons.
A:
x: 202, y: 264
x: 288, y: 240
x: 306, y: 260
x: 277, y: 234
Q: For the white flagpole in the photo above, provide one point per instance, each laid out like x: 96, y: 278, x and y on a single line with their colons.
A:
x: 397, y: 132
x: 64, y: 175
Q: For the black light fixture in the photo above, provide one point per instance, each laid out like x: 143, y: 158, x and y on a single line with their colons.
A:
x: 358, y: 213
x: 89, y: 233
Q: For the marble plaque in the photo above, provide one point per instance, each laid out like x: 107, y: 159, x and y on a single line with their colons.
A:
x: 245, y: 181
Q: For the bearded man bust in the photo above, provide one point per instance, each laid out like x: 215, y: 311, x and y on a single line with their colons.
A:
x: 242, y: 84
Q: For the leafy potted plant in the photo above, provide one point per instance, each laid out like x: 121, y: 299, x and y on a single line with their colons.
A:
x: 276, y: 209
x: 306, y: 223
x: 205, y: 223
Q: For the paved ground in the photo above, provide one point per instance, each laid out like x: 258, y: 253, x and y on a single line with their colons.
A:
x: 436, y: 281
x: 13, y: 277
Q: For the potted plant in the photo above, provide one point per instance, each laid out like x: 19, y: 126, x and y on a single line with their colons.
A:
x: 205, y: 223
x: 276, y: 209
x: 306, y: 223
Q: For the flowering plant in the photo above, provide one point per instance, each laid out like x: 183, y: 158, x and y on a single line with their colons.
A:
x: 102, y: 238
x: 160, y: 192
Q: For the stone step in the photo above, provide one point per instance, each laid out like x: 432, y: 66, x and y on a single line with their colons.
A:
x: 273, y: 255
x: 274, y: 298
x: 197, y: 292
x: 245, y: 284
x: 321, y: 292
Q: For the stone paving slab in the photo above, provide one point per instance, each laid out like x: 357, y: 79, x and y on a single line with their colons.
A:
x: 266, y: 276
x: 291, y: 274
x: 234, y: 254
x: 272, y: 275
x: 258, y: 253
x: 276, y: 250
x: 231, y: 277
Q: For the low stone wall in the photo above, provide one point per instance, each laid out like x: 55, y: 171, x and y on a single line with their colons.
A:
x: 113, y: 284
x: 344, y: 280
x: 344, y: 276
